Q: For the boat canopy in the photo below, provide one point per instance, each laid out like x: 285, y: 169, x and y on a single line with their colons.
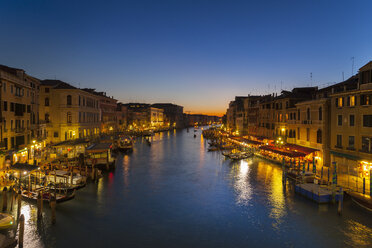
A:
x: 24, y: 167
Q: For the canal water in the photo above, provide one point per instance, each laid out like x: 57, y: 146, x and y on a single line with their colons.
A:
x: 177, y: 194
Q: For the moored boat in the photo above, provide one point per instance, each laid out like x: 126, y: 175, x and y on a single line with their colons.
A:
x: 363, y: 201
x: 6, y: 221
x: 47, y: 196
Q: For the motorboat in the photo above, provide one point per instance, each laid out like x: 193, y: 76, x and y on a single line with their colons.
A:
x: 125, y: 144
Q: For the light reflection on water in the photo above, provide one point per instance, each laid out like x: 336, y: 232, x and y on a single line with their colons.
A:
x: 241, y: 183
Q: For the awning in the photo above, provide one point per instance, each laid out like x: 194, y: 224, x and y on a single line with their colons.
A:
x: 280, y: 151
x: 75, y: 142
x: 301, y: 149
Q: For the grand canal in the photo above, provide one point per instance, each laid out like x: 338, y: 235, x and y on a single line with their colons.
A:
x: 176, y: 194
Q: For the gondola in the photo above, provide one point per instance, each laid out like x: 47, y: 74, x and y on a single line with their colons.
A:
x: 31, y: 196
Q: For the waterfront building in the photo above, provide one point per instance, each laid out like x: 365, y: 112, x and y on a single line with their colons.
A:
x: 142, y: 115
x: 68, y: 112
x: 107, y: 107
x: 201, y: 120
x: 284, y: 105
x: 173, y: 114
x: 122, y: 117
x: 266, y: 118
x: 250, y: 115
x: 351, y: 124
x: 18, y: 108
x: 308, y: 126
x: 235, y: 114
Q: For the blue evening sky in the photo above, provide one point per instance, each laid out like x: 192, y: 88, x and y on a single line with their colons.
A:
x: 198, y: 54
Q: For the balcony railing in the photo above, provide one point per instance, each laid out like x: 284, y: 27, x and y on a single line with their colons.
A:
x: 18, y: 130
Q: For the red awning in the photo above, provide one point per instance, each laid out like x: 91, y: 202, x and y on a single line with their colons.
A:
x: 301, y: 149
x: 283, y: 152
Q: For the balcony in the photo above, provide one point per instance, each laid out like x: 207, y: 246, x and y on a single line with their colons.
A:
x: 19, y: 130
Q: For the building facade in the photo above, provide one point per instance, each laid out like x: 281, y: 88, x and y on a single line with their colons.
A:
x: 68, y: 112
x: 18, y: 108
x: 173, y: 114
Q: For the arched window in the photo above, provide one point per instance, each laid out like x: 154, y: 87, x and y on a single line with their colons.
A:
x: 69, y: 100
x: 69, y: 117
x: 320, y: 113
x: 308, y: 114
x: 319, y: 136
x: 46, y: 101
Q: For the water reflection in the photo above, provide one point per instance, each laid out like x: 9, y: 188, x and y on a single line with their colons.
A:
x: 359, y: 235
x: 32, y: 233
x: 276, y: 197
x: 126, y: 160
x: 242, y: 185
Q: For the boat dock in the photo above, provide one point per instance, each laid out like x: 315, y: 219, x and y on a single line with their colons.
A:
x: 317, y: 193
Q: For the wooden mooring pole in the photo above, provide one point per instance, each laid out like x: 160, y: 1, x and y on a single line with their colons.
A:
x: 5, y: 199
x: 21, y: 231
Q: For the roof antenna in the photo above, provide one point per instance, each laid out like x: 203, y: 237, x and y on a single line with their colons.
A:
x: 352, y: 66
x: 311, y: 79
x: 281, y: 86
x: 343, y: 78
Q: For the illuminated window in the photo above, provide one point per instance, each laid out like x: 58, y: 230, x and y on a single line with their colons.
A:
x: 352, y: 101
x: 340, y: 102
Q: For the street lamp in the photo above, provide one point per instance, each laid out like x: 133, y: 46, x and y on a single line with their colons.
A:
x: 33, y: 155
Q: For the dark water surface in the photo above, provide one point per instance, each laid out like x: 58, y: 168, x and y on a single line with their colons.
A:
x: 176, y: 194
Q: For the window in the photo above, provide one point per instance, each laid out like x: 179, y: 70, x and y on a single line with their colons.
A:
x: 319, y: 136
x: 340, y: 102
x: 298, y: 133
x: 69, y: 117
x: 351, y: 142
x: 79, y: 100
x: 308, y: 114
x: 12, y: 106
x: 5, y: 106
x: 339, y: 120
x: 366, y: 144
x: 307, y: 134
x: 11, y: 89
x: 47, y: 118
x: 351, y: 101
x: 46, y: 101
x: 47, y: 91
x: 298, y: 114
x: 367, y: 120
x: 339, y: 141
x: 28, y: 108
x: 69, y: 100
x: 55, y: 134
x: 4, y: 87
x: 352, y: 120
x: 365, y: 99
x: 320, y: 117
x: 4, y: 121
